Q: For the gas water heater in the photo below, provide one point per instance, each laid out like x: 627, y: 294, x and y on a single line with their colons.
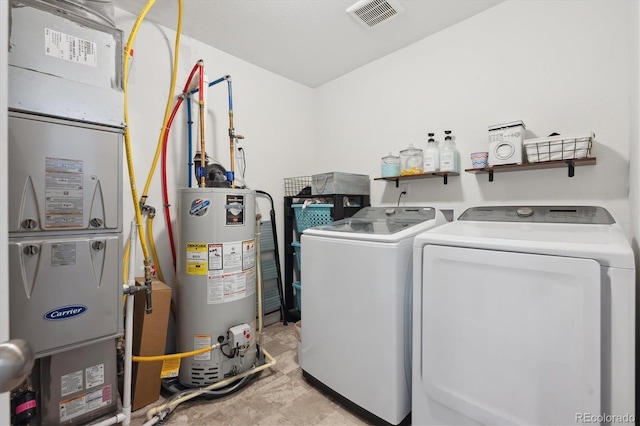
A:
x: 216, y: 269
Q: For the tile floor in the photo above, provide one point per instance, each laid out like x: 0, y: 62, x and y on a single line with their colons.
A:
x: 279, y: 396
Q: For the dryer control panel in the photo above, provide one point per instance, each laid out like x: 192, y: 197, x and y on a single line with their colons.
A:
x: 540, y: 214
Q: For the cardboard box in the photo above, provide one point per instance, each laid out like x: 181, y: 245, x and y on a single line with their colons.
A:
x: 149, y: 338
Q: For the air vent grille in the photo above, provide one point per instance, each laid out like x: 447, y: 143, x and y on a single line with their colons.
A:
x: 373, y: 12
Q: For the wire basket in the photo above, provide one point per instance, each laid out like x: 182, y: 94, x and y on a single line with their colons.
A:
x: 561, y: 147
x: 312, y: 215
x: 294, y: 185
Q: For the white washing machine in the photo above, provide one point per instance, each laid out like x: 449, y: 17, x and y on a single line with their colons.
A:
x: 356, y: 307
x: 524, y: 315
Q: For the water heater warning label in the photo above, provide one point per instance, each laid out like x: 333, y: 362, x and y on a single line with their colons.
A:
x: 229, y: 287
x: 202, y: 341
x: 197, y: 258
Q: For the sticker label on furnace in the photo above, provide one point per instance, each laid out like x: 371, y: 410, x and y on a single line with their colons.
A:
x: 70, y: 48
x: 64, y: 182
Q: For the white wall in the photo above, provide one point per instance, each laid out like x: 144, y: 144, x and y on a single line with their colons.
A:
x: 274, y: 114
x: 634, y: 127
x: 559, y: 66
x: 4, y: 276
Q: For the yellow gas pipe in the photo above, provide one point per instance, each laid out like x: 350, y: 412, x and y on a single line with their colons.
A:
x: 127, y: 141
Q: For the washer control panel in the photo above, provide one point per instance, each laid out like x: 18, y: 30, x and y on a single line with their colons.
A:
x: 540, y: 214
x: 397, y: 213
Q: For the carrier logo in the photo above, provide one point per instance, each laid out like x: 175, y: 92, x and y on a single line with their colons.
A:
x: 65, y: 312
x: 199, y: 207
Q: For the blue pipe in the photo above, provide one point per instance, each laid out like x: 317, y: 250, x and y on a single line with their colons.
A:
x: 190, y: 122
x: 213, y: 83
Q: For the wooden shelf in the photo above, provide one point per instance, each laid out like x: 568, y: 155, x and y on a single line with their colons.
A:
x: 570, y: 164
x: 397, y: 179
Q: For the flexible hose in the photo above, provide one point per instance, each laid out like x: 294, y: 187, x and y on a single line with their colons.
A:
x: 145, y: 191
x: 175, y: 356
x: 167, y: 111
x: 127, y: 132
x: 172, y: 404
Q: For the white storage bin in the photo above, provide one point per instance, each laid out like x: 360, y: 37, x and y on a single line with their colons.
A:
x: 340, y: 183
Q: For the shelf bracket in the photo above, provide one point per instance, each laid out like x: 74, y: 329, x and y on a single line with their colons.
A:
x: 490, y: 175
x: 445, y: 178
x: 571, y: 168
x: 397, y: 183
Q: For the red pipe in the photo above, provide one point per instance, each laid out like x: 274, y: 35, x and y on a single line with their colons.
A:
x: 165, y: 192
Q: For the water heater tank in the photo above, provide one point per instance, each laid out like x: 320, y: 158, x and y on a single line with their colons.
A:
x: 216, y: 267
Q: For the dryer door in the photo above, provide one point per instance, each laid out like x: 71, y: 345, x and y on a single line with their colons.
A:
x: 511, y: 338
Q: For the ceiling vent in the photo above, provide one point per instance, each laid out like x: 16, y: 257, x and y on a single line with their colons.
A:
x: 374, y: 12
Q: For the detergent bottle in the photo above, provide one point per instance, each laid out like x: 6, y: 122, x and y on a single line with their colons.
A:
x: 449, y: 156
x: 431, y: 155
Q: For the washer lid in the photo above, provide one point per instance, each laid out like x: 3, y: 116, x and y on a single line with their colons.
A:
x: 546, y: 214
x: 604, y: 242
x: 382, y: 224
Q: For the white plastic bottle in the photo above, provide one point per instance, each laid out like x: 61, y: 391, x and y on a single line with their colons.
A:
x: 449, y: 156
x: 431, y: 155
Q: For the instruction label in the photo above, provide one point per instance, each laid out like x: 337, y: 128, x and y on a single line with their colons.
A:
x: 70, y: 48
x: 98, y: 398
x: 64, y: 180
x: 85, y: 403
x: 215, y: 257
x: 234, y: 210
x: 197, y: 261
x: 231, y: 274
x: 94, y: 376
x: 232, y: 257
x: 248, y: 254
x: 202, y: 341
x: 71, y: 383
x: 63, y: 254
x: 170, y: 368
x: 72, y: 408
x: 222, y: 288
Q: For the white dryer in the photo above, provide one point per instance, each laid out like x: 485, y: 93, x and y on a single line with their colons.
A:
x: 524, y: 315
x: 356, y: 307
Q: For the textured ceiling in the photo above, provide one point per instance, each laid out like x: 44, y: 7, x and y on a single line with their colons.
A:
x: 308, y: 41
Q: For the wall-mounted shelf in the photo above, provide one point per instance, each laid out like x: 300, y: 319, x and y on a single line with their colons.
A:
x: 570, y: 164
x: 397, y: 179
